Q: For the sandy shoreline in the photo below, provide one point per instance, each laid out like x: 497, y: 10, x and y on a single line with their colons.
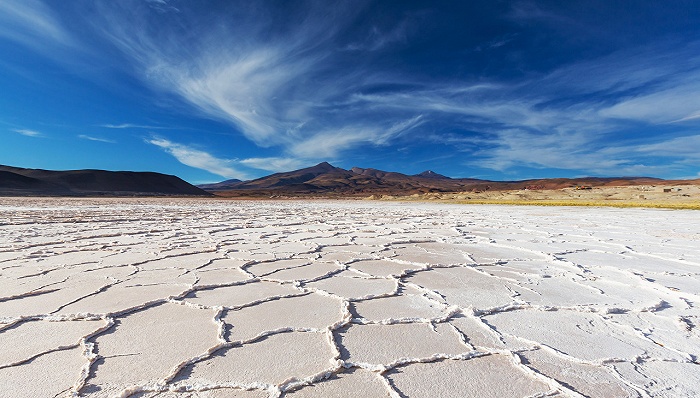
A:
x: 650, y: 196
x: 220, y: 298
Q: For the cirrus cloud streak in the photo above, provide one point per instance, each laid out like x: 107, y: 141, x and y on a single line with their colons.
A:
x: 308, y: 81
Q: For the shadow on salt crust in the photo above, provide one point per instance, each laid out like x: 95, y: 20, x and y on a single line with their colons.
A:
x: 477, y: 333
x: 330, y: 241
x: 589, y: 380
x: 363, y: 250
x: 236, y: 254
x: 513, y: 274
x: 382, y: 267
x: 268, y: 267
x: 341, y: 256
x: 24, y: 277
x: 490, y: 376
x: 176, y: 276
x: 71, y: 258
x: 663, y: 378
x: 146, y: 345
x: 305, y: 272
x: 483, y: 253
x: 44, y: 336
x: 677, y: 282
x: 465, y: 287
x: 121, y: 297
x: 664, y: 330
x: 213, y: 276
x: 385, y: 344
x: 581, y: 335
x: 395, y: 307
x: 349, y: 285
x: 434, y: 254
x: 187, y: 261
x: 352, y: 383
x: 128, y: 257
x: 216, y: 393
x: 310, y: 311
x: 289, y: 248
x: 51, y: 299
x: 238, y: 295
x: 632, y: 262
x: 273, y: 360
x: 564, y: 292
x: 50, y: 375
x: 376, y: 241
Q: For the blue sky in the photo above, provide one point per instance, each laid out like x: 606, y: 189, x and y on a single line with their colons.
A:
x: 211, y: 90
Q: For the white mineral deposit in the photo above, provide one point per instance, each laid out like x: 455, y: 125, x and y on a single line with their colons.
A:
x: 175, y: 298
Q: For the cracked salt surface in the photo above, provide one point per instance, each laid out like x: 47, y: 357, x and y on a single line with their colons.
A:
x: 202, y: 298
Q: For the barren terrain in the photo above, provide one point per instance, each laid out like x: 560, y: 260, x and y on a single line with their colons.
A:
x: 660, y: 196
x: 216, y: 298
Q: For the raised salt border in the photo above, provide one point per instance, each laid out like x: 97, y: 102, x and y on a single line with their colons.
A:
x: 205, y: 298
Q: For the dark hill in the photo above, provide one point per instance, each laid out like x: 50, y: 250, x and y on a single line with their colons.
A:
x: 25, y: 182
x: 432, y: 174
x: 326, y: 180
x: 221, y: 186
x: 310, y: 179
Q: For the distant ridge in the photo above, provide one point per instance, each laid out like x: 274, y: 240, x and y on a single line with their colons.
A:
x: 310, y: 179
x: 432, y: 174
x: 221, y: 186
x: 15, y: 181
x: 325, y: 179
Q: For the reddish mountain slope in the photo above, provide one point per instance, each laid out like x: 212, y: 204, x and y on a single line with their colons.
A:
x: 326, y: 180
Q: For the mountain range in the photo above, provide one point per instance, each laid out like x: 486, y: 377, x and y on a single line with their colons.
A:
x: 15, y: 181
x: 322, y: 180
x: 325, y: 179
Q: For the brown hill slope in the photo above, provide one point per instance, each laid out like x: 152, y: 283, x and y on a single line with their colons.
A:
x: 221, y: 186
x: 309, y: 179
x: 15, y: 181
x: 326, y: 180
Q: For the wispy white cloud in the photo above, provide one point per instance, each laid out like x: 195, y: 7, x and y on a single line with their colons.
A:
x: 559, y: 151
x: 276, y: 85
x: 243, y: 90
x: 674, y: 102
x: 376, y: 39
x: 328, y: 144
x: 497, y: 42
x: 568, y: 118
x: 685, y: 148
x: 90, y: 138
x: 198, y: 159
x: 130, y: 126
x: 201, y: 159
x: 162, y: 6
x: 33, y: 24
x: 275, y: 164
x: 579, y: 151
x: 690, y: 117
x: 288, y: 81
x: 29, y: 133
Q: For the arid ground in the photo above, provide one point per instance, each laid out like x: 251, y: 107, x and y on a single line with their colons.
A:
x: 221, y: 298
x: 654, y: 196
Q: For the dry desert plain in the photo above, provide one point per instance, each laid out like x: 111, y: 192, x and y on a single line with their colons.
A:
x: 218, y: 298
x: 685, y: 196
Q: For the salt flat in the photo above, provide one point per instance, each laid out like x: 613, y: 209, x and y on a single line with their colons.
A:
x: 207, y: 298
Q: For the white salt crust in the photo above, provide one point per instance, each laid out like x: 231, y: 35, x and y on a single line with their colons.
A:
x: 202, y: 298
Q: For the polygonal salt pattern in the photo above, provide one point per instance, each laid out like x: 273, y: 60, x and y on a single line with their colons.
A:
x: 175, y: 298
